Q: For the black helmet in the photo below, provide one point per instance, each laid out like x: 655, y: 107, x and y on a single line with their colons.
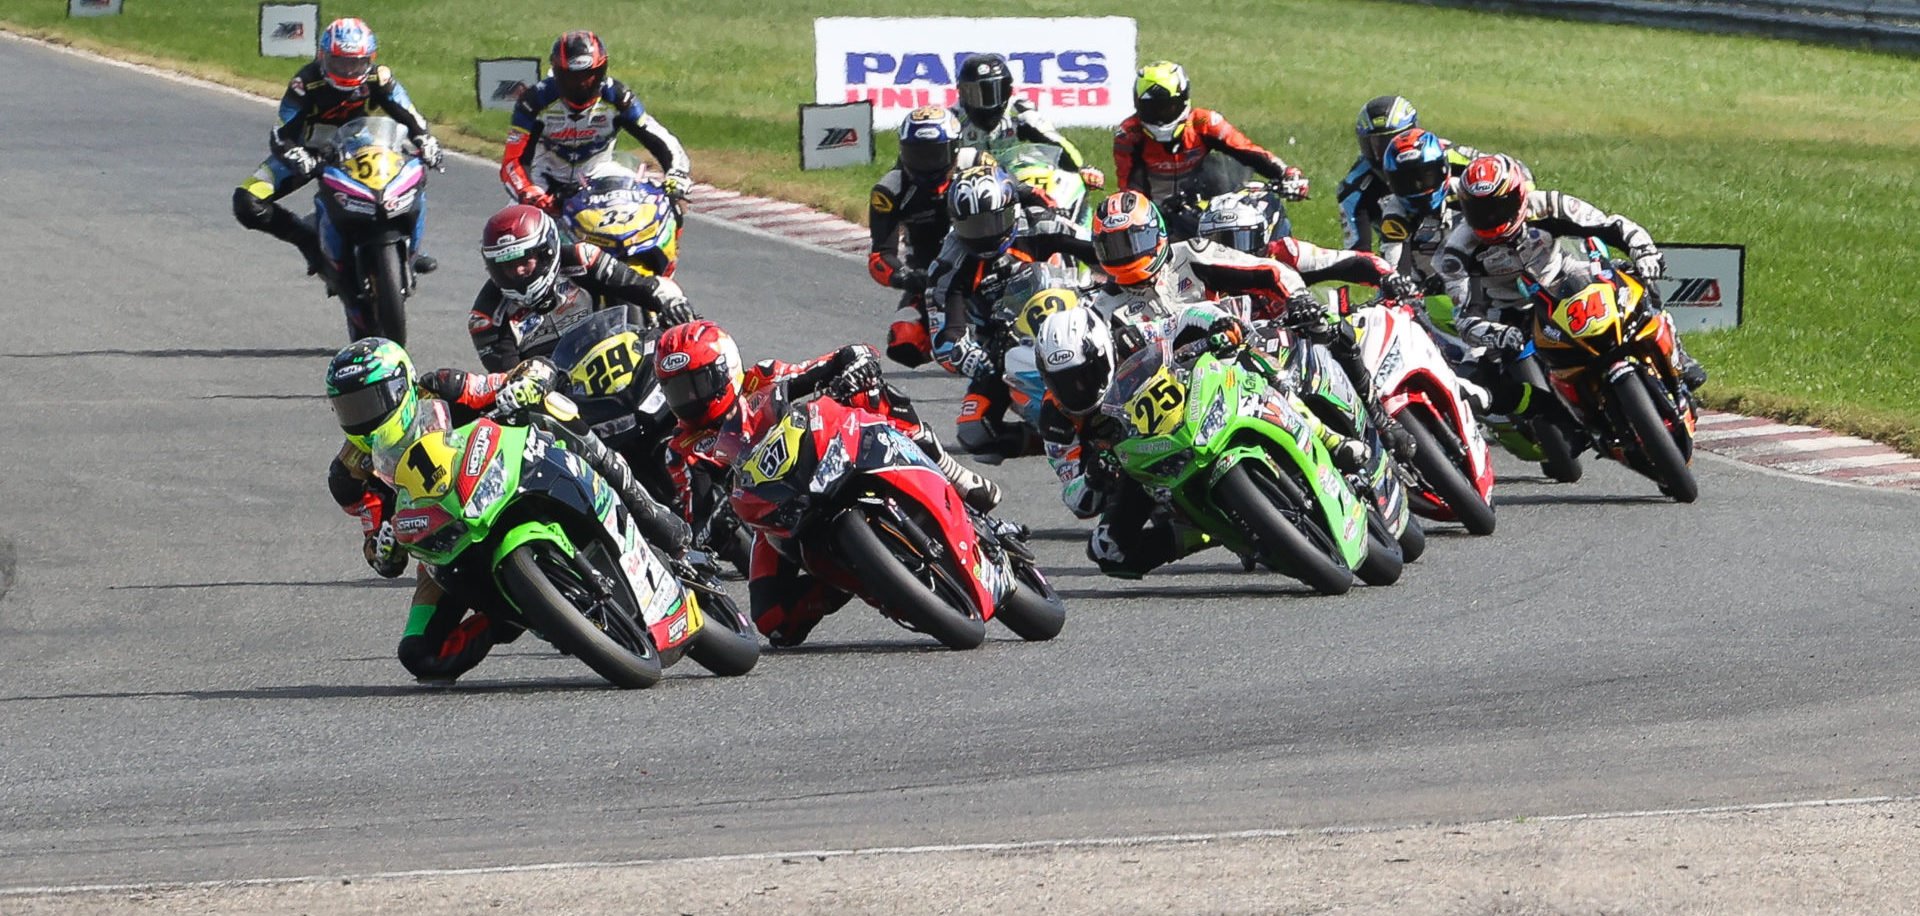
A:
x: 986, y: 85
x: 1381, y: 119
x: 579, y: 62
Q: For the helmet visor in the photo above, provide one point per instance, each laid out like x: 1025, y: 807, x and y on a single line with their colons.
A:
x: 348, y: 70
x: 1252, y: 240
x: 1158, y: 109
x: 1375, y: 145
x: 986, y: 94
x: 581, y: 86
x: 1416, y: 179
x: 1118, y: 247
x: 517, y: 269
x: 985, y: 231
x: 1491, y: 214
x: 927, y: 158
x: 361, y: 411
x: 690, y: 395
x: 1080, y: 388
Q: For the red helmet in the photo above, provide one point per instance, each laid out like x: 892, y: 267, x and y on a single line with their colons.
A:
x: 1493, y: 195
x: 699, y: 371
x: 521, y: 246
x: 579, y: 62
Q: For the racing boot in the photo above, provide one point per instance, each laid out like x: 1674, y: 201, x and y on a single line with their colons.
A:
x: 662, y: 528
x: 1692, y: 374
x: 908, y: 342
x: 425, y: 263
x: 976, y: 491
x: 288, y: 228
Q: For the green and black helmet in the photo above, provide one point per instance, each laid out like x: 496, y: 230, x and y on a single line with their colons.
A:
x: 370, y: 385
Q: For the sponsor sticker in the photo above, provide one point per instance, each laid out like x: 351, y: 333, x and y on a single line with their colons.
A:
x: 674, y: 362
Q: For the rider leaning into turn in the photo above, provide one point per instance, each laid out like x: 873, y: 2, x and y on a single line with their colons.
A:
x: 1254, y: 222
x: 532, y: 271
x: 383, y: 407
x: 1363, y: 192
x: 1508, y: 231
x: 340, y: 84
x: 988, y: 114
x: 566, y: 124
x: 707, y: 387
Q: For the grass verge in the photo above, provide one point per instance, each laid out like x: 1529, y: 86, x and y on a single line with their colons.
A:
x: 1787, y: 148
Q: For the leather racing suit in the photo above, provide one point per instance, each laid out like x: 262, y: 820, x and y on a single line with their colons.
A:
x: 1163, y: 171
x: 1363, y: 194
x: 505, y: 332
x: 550, y: 143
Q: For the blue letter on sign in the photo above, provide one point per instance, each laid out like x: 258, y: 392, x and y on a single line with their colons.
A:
x: 921, y: 68
x: 859, y: 66
x: 1083, y: 67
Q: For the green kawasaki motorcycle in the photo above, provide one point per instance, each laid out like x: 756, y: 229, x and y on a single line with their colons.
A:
x: 517, y: 521
x: 1243, y: 465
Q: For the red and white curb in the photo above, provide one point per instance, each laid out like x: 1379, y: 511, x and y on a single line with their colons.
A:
x: 796, y: 223
x: 1808, y: 451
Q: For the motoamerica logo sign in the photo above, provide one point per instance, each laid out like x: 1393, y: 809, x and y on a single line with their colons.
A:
x: 1696, y: 292
x: 838, y: 138
x: 292, y: 31
x: 508, y: 90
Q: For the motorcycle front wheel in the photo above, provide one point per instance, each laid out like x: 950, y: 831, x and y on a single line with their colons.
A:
x: 889, y: 578
x: 1031, y: 609
x: 1656, y: 440
x: 1447, y: 479
x: 387, y: 293
x: 727, y: 643
x: 1282, y: 546
x: 556, y: 603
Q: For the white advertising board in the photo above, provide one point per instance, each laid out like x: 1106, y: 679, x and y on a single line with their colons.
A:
x: 498, y: 82
x: 835, y: 136
x: 1704, y: 285
x: 85, y: 8
x: 1079, y: 71
x: 289, y: 29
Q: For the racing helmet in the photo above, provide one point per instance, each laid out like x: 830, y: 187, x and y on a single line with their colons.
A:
x: 1493, y: 195
x: 929, y: 143
x: 1130, y: 238
x: 370, y: 387
x: 579, y: 63
x: 521, y: 246
x: 1382, y: 119
x: 1075, y: 351
x: 1416, y: 167
x: 985, y: 209
x: 1246, y: 220
x: 699, y: 369
x: 986, y: 86
x: 346, y: 51
x: 1161, y: 97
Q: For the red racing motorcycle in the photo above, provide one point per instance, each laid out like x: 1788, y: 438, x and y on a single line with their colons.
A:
x: 852, y: 499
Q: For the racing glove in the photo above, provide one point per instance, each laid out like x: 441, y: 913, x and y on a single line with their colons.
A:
x: 1226, y: 335
x: 536, y: 198
x: 677, y: 184
x: 966, y: 356
x: 910, y: 279
x: 1650, y: 263
x: 862, y: 376
x: 674, y: 310
x: 1309, y: 315
x: 1093, y: 178
x: 430, y: 153
x: 1395, y: 286
x: 300, y: 160
x: 384, y: 554
x: 1293, y: 184
x: 1494, y: 334
x: 526, y: 386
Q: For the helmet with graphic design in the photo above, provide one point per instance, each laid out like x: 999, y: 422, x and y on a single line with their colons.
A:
x: 1075, y: 351
x: 1381, y: 119
x: 370, y: 386
x: 1246, y: 220
x: 1162, y: 99
x: 1493, y: 194
x: 700, y: 372
x: 1416, y: 167
x: 985, y: 86
x: 985, y: 209
x: 929, y: 142
x: 579, y: 63
x: 1130, y: 238
x: 521, y: 246
x: 346, y: 50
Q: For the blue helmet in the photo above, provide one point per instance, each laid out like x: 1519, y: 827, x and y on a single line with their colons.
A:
x: 929, y: 142
x: 1382, y: 119
x: 346, y: 53
x: 1416, y: 167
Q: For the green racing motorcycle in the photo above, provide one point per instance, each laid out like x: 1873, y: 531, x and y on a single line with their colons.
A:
x: 516, y: 521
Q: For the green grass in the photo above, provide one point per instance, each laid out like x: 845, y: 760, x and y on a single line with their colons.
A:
x: 1805, y: 154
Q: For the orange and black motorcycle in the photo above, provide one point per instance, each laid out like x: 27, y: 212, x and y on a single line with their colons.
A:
x: 1610, y: 352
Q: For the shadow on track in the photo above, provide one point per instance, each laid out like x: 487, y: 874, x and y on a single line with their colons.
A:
x: 337, y: 691
x: 864, y: 647
x: 399, y: 582
x: 191, y: 353
x: 1579, y: 499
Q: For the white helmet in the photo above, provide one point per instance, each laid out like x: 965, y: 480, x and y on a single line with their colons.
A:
x: 1075, y: 350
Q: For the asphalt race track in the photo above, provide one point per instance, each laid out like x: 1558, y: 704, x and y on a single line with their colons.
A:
x: 197, y: 677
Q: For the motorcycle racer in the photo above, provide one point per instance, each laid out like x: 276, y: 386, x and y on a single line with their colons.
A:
x: 1160, y: 150
x: 1507, y: 232
x: 707, y: 388
x: 383, y: 406
x: 1253, y: 221
x: 1362, y: 193
x: 341, y: 83
x: 532, y: 274
x: 989, y: 113
x: 567, y: 123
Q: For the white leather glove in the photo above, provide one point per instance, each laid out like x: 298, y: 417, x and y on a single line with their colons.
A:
x: 431, y: 154
x: 1651, y: 264
x: 526, y: 386
x: 677, y: 184
x: 300, y: 160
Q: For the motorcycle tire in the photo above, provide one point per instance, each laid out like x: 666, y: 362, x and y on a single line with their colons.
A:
x: 387, y: 294
x: 1656, y: 440
x: 1383, y: 563
x: 548, y: 612
x: 1413, y: 541
x: 1281, y: 545
x: 894, y: 587
x: 1031, y: 609
x: 727, y: 644
x: 1560, y: 463
x: 1448, y: 480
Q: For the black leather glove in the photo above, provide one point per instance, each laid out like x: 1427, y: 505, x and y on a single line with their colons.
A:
x: 1227, y: 334
x: 1309, y: 316
x: 675, y: 311
x: 859, y: 378
x: 1395, y: 286
x: 383, y: 554
x: 911, y: 279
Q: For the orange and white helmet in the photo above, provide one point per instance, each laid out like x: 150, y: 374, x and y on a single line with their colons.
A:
x: 1493, y: 194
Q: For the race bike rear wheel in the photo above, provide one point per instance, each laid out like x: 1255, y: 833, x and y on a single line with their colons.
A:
x: 563, y: 608
x: 1444, y: 477
x: 727, y: 644
x: 387, y: 293
x: 1031, y: 608
x: 886, y: 569
x: 1413, y: 540
x: 1559, y: 463
x: 1383, y: 563
x: 1656, y: 440
x: 1261, y: 508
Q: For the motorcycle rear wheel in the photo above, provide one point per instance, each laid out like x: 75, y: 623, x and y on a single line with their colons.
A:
x: 1384, y: 561
x: 894, y: 586
x: 727, y: 644
x: 1448, y: 480
x: 1560, y: 463
x: 1656, y: 440
x: 1032, y: 609
x: 1282, y: 546
x: 387, y: 294
x: 550, y: 612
